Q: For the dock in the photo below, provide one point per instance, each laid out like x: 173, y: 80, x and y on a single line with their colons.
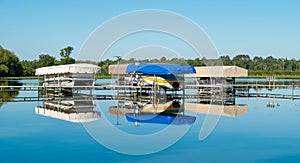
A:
x: 129, y: 88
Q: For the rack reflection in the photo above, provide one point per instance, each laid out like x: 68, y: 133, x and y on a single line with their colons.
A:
x: 170, y: 112
x: 77, y: 110
x: 174, y: 112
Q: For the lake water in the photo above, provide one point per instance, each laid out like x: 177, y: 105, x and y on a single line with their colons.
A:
x: 251, y: 133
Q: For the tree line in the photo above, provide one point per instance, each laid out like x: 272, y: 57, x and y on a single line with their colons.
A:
x: 256, y: 66
x: 11, y: 66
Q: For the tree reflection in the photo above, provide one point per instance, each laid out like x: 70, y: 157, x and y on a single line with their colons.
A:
x: 8, y: 92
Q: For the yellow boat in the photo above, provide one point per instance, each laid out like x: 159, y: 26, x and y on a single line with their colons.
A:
x: 162, y: 81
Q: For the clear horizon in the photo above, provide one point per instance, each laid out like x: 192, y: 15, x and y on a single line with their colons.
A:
x: 257, y: 28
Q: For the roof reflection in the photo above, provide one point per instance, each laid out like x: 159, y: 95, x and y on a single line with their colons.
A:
x: 170, y: 112
x: 216, y: 109
x: 77, y: 111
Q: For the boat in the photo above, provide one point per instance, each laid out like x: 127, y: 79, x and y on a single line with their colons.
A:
x: 170, y: 81
x: 163, y: 75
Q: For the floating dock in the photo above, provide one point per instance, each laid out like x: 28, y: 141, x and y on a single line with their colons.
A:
x: 240, y: 94
x: 146, y: 82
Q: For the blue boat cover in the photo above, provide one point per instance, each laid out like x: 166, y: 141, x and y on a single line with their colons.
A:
x: 160, y: 69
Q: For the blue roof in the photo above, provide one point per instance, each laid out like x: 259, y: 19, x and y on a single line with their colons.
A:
x: 160, y: 69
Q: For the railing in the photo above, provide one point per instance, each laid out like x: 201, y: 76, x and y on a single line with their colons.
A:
x: 99, y: 96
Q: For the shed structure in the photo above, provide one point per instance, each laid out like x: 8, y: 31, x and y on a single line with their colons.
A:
x: 217, y: 79
x: 60, y: 80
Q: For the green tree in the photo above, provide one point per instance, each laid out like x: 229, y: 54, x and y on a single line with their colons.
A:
x: 226, y: 60
x: 258, y: 63
x: 9, y: 63
x: 178, y: 61
x: 281, y: 64
x: 163, y: 59
x: 65, y: 61
x: 298, y: 66
x: 29, y: 67
x: 190, y: 62
x: 199, y: 62
x: 3, y: 69
x: 271, y: 63
x: 242, y: 60
x: 105, y: 65
x: 46, y: 60
x: 294, y: 64
x: 65, y: 54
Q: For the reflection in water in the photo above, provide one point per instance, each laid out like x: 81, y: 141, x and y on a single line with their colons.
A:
x: 161, y: 118
x: 272, y: 104
x: 8, y: 93
x: 223, y: 110
x: 73, y: 110
x: 170, y: 112
x: 173, y: 112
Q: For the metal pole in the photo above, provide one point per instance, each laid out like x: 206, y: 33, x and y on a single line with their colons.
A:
x: 118, y: 107
x: 118, y: 61
x: 155, y: 82
x: 293, y: 89
x: 183, y: 96
x: 38, y: 88
x: 44, y: 84
x: 256, y: 90
x: 59, y: 89
x: 274, y: 78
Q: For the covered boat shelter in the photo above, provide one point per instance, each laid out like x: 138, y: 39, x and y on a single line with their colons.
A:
x: 164, y: 75
x: 160, y: 69
x: 63, y: 78
x: 147, y: 73
x: 219, y: 72
x: 151, y: 69
x: 209, y: 77
x: 153, y: 79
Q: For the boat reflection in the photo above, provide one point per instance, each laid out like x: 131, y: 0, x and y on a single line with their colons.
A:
x: 161, y: 118
x: 173, y: 112
x: 170, y: 112
x: 72, y: 110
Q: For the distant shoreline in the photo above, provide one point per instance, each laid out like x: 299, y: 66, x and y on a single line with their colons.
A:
x: 35, y: 77
x: 108, y: 77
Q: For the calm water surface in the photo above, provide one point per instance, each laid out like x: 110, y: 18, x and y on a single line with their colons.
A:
x: 261, y: 134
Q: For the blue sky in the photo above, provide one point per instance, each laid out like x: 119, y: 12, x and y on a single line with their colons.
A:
x: 257, y: 27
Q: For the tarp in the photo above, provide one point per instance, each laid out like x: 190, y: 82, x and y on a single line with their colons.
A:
x: 160, y: 69
x: 219, y: 71
x: 70, y: 68
x: 117, y: 69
